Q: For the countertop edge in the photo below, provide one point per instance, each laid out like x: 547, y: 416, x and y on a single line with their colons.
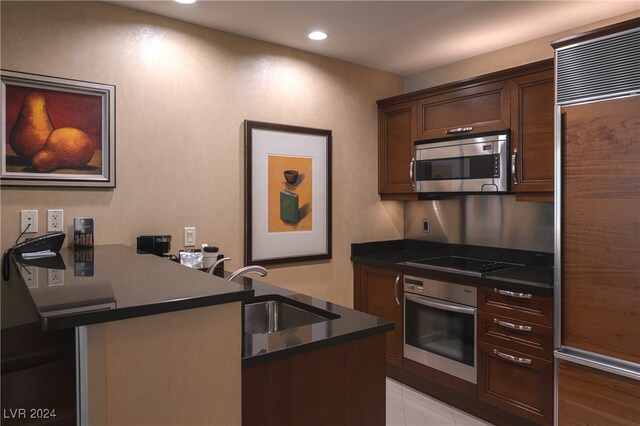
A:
x: 102, y: 316
x: 255, y: 360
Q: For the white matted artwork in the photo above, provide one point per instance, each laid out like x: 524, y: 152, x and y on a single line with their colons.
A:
x: 287, y: 193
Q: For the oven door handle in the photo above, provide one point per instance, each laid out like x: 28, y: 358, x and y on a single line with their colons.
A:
x: 422, y: 300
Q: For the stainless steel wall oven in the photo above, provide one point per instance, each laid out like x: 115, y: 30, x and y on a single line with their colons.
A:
x: 440, y: 326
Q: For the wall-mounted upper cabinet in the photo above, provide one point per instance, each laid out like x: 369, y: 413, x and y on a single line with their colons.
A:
x: 532, y: 135
x: 519, y: 99
x: 396, y: 124
x: 475, y: 109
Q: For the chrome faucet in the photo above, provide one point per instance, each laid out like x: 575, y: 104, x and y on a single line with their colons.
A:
x: 216, y: 263
x: 251, y: 269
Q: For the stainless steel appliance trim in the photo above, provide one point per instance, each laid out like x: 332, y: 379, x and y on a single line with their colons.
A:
x: 513, y: 294
x: 512, y: 358
x: 438, y: 362
x: 604, y: 64
x: 512, y: 326
x: 462, y: 141
x: 436, y: 304
x: 467, y: 147
x: 460, y: 130
x: 557, y: 258
x: 600, y: 362
x: 457, y: 293
x: 82, y: 377
x: 445, y: 269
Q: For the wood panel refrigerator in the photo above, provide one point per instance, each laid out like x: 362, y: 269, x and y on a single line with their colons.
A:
x: 597, y: 227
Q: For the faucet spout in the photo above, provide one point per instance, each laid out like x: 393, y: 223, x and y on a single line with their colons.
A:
x: 251, y: 269
x: 217, y: 262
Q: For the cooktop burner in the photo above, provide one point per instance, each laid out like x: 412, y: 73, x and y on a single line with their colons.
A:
x: 463, y: 265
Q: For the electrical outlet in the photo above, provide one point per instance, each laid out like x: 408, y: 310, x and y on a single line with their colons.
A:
x: 30, y: 275
x: 425, y: 225
x: 189, y: 236
x: 55, y: 277
x: 55, y: 221
x: 29, y: 221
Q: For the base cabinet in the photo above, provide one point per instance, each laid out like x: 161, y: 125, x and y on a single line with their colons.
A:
x: 378, y: 291
x: 515, y: 352
x: 516, y: 382
x: 591, y: 397
x: 337, y: 385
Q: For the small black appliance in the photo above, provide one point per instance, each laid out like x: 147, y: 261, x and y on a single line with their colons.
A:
x: 160, y: 245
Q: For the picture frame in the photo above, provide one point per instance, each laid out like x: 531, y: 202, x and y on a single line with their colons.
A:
x: 287, y: 193
x: 56, y: 132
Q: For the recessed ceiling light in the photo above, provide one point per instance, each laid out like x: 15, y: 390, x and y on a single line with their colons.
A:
x: 317, y: 35
x: 186, y: 1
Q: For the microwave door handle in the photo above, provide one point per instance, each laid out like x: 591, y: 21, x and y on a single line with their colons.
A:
x: 411, y: 173
x: 514, y: 170
x: 438, y: 305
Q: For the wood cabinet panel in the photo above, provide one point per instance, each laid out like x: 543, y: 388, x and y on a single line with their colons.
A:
x: 590, y: 397
x: 523, y: 336
x: 601, y: 227
x: 523, y: 386
x: 532, y: 138
x: 338, y: 385
x: 395, y: 150
x: 482, y: 108
x: 538, y: 308
x: 379, y: 292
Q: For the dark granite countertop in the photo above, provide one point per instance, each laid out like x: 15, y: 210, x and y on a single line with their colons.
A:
x: 114, y: 282
x: 265, y: 347
x: 536, y: 274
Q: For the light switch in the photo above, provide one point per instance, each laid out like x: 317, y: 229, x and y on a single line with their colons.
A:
x: 189, y: 236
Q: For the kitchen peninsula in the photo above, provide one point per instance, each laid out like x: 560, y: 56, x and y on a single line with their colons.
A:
x: 155, y: 342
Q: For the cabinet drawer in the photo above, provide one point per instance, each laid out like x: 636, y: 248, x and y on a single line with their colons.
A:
x: 516, y: 382
x: 523, y: 336
x: 475, y: 109
x: 516, y: 304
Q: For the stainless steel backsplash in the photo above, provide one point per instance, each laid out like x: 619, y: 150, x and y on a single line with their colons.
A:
x: 482, y: 220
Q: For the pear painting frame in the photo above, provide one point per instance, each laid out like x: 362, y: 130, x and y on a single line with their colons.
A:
x: 56, y: 132
x: 287, y: 193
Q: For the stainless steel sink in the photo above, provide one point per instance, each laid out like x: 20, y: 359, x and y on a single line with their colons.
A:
x: 276, y: 315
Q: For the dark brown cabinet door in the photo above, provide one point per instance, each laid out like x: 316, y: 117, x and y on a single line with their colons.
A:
x: 475, y: 109
x: 600, y: 227
x: 395, y: 150
x: 593, y: 397
x: 379, y: 292
x: 532, y: 114
x: 516, y: 382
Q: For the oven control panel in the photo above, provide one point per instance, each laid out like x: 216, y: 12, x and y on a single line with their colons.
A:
x: 458, y: 293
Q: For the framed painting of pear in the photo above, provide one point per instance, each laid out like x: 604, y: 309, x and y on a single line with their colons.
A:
x: 57, y: 131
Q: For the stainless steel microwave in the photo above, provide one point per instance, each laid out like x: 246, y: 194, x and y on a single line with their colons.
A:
x: 475, y: 163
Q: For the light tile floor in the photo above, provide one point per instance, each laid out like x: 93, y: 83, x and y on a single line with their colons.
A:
x: 408, y: 407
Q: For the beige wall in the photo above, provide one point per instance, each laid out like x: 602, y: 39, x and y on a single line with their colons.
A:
x: 182, y: 94
x: 520, y: 54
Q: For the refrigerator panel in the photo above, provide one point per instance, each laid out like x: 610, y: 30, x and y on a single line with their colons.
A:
x: 600, y: 228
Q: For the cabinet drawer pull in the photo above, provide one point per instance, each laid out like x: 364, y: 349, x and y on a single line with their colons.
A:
x: 513, y: 294
x: 395, y: 289
x: 511, y: 326
x: 512, y: 358
x: 460, y: 130
x: 514, y: 171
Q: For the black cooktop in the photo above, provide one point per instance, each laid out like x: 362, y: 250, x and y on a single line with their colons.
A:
x: 463, y: 265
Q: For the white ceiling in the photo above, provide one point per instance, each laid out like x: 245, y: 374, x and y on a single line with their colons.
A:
x: 403, y: 37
